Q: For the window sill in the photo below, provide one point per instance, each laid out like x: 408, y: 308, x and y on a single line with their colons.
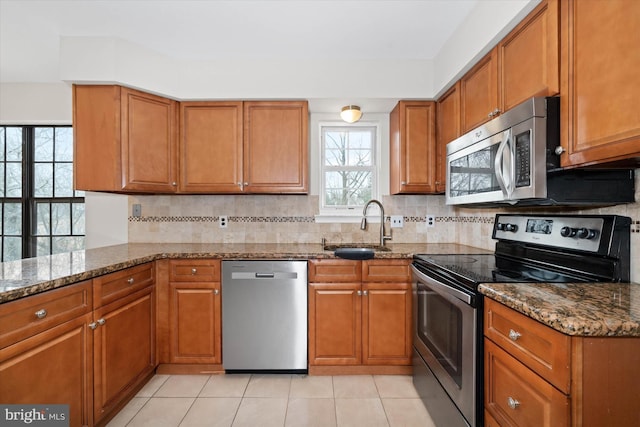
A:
x: 345, y: 218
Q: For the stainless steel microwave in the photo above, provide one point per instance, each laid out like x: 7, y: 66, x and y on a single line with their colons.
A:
x: 514, y: 159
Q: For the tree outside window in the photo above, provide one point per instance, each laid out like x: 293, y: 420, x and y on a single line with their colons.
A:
x: 40, y: 211
x: 348, y: 166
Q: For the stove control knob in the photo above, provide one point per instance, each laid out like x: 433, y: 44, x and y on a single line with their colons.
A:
x: 585, y: 233
x: 567, y: 232
x: 511, y: 227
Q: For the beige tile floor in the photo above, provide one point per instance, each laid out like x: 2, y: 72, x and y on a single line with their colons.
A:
x: 275, y: 400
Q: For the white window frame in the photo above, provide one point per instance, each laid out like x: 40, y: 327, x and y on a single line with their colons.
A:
x: 348, y: 214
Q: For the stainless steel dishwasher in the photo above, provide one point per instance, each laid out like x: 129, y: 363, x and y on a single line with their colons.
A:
x: 264, y: 316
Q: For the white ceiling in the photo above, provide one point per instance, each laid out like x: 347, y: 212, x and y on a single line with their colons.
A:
x: 215, y: 29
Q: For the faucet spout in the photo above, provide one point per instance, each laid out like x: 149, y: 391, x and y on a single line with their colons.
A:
x: 363, y: 225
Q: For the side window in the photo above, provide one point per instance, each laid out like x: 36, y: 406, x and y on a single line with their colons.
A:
x: 349, y: 169
x: 41, y: 212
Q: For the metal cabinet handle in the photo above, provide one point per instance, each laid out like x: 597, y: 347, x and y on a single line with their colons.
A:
x: 194, y: 270
x: 93, y: 325
x: 514, y: 335
x: 403, y: 182
x: 101, y: 321
x: 41, y: 314
x: 359, y: 293
x: 559, y: 150
x: 174, y: 183
x: 130, y: 280
x: 513, y: 403
x: 216, y: 292
x: 365, y: 293
x: 246, y: 183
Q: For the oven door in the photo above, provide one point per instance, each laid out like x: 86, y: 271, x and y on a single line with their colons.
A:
x: 446, y: 338
x: 506, y: 167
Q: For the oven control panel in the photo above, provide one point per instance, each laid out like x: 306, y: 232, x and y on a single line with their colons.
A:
x: 569, y: 232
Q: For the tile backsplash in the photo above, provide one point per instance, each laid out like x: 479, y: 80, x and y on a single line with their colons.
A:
x: 291, y: 219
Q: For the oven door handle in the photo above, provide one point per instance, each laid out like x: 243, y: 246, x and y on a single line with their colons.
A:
x: 462, y: 296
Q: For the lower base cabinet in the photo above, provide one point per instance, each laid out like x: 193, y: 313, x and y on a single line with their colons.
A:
x: 360, y: 317
x: 53, y: 367
x: 123, y: 349
x: 537, y: 376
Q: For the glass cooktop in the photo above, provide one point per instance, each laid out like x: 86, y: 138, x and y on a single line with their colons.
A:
x: 489, y: 268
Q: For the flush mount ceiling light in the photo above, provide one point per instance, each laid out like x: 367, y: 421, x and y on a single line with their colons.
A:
x: 351, y: 113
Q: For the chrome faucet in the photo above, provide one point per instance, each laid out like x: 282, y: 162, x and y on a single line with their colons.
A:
x: 363, y: 224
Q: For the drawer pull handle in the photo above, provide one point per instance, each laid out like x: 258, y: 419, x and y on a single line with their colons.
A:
x: 359, y: 293
x: 130, y: 280
x: 513, y: 403
x: 101, y: 321
x: 514, y: 335
x: 365, y: 293
x: 41, y: 314
x: 93, y: 325
x: 216, y: 292
x: 194, y: 270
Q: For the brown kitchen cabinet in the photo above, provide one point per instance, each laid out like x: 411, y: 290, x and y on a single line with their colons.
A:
x: 124, y: 352
x: 600, y: 119
x: 194, y: 312
x: 276, y: 147
x: 523, y: 64
x: 413, y: 148
x: 210, y: 150
x: 359, y: 326
x: 535, y: 375
x: 46, y: 351
x: 448, y: 129
x: 124, y: 140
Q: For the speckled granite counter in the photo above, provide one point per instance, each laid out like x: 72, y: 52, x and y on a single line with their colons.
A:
x: 596, y: 310
x: 31, y: 276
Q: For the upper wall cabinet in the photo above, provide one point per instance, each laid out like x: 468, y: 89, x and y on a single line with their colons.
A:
x: 600, y: 91
x: 125, y: 140
x: 276, y: 147
x: 524, y: 64
x: 413, y: 150
x: 448, y: 120
x: 210, y: 147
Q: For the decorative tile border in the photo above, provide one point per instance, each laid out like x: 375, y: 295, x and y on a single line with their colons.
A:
x: 635, y: 226
x: 300, y: 219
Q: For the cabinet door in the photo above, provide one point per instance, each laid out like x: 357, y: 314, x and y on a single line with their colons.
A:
x: 53, y: 367
x: 276, y: 152
x: 149, y: 135
x: 386, y: 324
x: 335, y: 324
x: 412, y: 155
x: 124, y: 349
x: 600, y: 118
x: 194, y: 311
x: 479, y: 95
x: 210, y: 147
x: 515, y: 395
x: 529, y: 64
x: 96, y: 138
x: 448, y: 121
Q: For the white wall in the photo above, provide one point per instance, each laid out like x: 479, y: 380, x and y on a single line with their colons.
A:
x: 35, y: 103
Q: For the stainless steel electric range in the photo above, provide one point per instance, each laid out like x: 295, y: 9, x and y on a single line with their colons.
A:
x: 447, y: 309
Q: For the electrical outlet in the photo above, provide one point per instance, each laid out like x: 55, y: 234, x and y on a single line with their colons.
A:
x: 397, y: 221
x: 137, y: 210
x: 431, y: 221
x: 223, y: 221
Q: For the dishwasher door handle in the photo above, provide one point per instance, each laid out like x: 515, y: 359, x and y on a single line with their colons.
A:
x: 265, y: 275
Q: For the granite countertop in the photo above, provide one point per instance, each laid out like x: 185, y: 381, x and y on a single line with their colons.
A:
x: 34, y: 275
x: 580, y: 309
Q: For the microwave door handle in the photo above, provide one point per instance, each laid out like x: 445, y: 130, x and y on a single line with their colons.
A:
x: 511, y: 186
x: 497, y: 166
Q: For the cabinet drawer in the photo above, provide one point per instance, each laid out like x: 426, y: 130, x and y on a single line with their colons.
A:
x: 335, y: 271
x: 194, y: 270
x: 389, y: 270
x: 515, y: 395
x: 545, y: 351
x: 110, y: 287
x: 28, y: 316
